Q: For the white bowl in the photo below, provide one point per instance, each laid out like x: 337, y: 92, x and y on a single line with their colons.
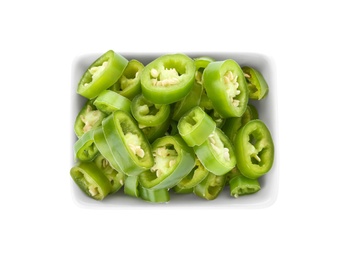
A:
x: 267, y: 109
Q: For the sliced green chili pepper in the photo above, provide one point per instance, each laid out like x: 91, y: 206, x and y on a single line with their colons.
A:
x: 131, y: 186
x: 129, y: 84
x: 173, y: 160
x: 158, y: 196
x: 226, y: 86
x: 180, y: 190
x: 240, y: 185
x: 195, y: 126
x: 127, y: 143
x: 154, y: 132
x: 101, y: 74
x: 88, y: 118
x: 217, y: 118
x: 197, y: 174
x: 91, y: 180
x: 115, y: 178
x: 258, y: 87
x: 216, y: 153
x: 85, y: 148
x: 254, y: 149
x: 147, y: 113
x: 109, y: 101
x: 210, y: 187
x: 168, y: 78
x: 233, y: 124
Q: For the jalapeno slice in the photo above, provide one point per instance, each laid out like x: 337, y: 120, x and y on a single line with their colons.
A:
x: 127, y: 143
x: 240, y: 185
x: 101, y: 74
x: 173, y: 160
x: 254, y: 149
x: 168, y: 79
x: 147, y: 113
x: 258, y: 87
x: 216, y: 153
x: 226, y: 87
x: 131, y: 187
x: 210, y: 187
x: 156, y: 196
x: 109, y: 101
x: 129, y: 84
x: 90, y: 180
x: 85, y: 148
x: 197, y: 174
x: 88, y: 118
x: 195, y: 126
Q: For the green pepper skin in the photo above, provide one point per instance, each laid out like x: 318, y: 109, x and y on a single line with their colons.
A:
x: 101, y: 74
x: 254, y: 149
x: 129, y: 84
x: 84, y: 148
x: 131, y: 187
x: 173, y: 160
x: 197, y: 174
x: 210, y: 187
x: 91, y: 180
x: 130, y: 148
x: 258, y: 87
x: 216, y: 153
x: 147, y: 113
x: 180, y: 190
x: 154, y: 132
x: 168, y: 79
x: 155, y: 196
x: 89, y: 118
x: 195, y: 126
x: 109, y: 101
x: 240, y: 185
x: 226, y: 87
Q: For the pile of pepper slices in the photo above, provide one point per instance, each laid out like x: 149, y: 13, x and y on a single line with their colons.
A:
x: 176, y: 123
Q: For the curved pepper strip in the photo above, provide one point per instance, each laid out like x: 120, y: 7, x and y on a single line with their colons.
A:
x: 91, y: 180
x: 131, y: 187
x: 115, y: 178
x: 233, y: 124
x: 147, y: 113
x: 173, y: 160
x: 85, y: 148
x: 168, y: 79
x: 195, y: 126
x: 240, y: 185
x: 89, y: 118
x: 197, y: 174
x: 216, y: 153
x: 109, y: 101
x: 101, y: 74
x: 225, y: 85
x: 130, y: 148
x: 258, y: 87
x: 210, y: 187
x: 129, y: 84
x: 156, y: 196
x: 254, y: 149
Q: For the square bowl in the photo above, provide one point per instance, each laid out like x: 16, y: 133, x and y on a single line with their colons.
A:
x: 266, y: 107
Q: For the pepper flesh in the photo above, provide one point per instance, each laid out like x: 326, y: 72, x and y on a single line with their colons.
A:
x: 258, y: 87
x: 85, y: 148
x: 109, y: 101
x: 210, y: 187
x: 240, y: 185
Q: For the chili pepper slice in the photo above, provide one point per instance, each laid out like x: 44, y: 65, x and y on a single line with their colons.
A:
x: 210, y: 187
x: 129, y: 84
x: 130, y: 148
x: 240, y: 185
x: 115, y: 178
x: 226, y: 86
x: 91, y: 180
x: 85, y: 148
x: 254, y: 149
x: 197, y: 174
x: 88, y: 118
x: 101, y: 74
x: 156, y: 196
x: 154, y: 132
x: 258, y: 87
x: 173, y: 160
x: 180, y: 190
x: 109, y: 101
x: 216, y: 153
x: 195, y: 126
x: 233, y: 124
x: 168, y: 79
x: 147, y: 113
x: 131, y: 187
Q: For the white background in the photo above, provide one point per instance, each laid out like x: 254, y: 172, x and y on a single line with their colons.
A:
x: 309, y: 45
